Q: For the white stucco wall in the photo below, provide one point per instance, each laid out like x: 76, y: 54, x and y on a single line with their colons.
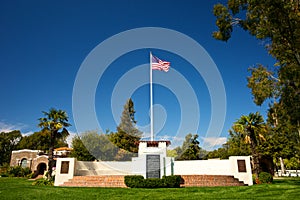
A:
x: 138, y: 166
x: 61, y: 178
x: 84, y: 168
x: 215, y: 167
x: 202, y: 167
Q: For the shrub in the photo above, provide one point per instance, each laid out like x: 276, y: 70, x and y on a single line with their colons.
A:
x: 4, y: 168
x: 18, y: 171
x: 31, y: 175
x: 43, y: 181
x: 4, y: 175
x: 265, y: 177
x: 134, y: 181
x: 254, y: 179
x: 153, y: 183
x: 172, y: 181
x: 26, y: 172
x: 15, y: 171
x: 138, y: 181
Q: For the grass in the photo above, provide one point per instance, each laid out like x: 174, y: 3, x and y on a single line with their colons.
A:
x: 19, y: 188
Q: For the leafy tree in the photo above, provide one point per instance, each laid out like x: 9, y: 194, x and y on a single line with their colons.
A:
x: 80, y: 151
x: 265, y: 85
x: 274, y: 21
x: 293, y: 163
x: 190, y: 148
x: 99, y: 145
x: 238, y: 144
x: 40, y: 141
x: 123, y: 155
x: 221, y: 153
x: 8, y: 142
x: 127, y: 134
x: 277, y: 24
x: 252, y: 127
x: 54, y: 122
x: 172, y: 153
x: 124, y: 141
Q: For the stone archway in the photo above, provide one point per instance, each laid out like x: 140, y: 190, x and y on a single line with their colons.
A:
x: 41, y: 168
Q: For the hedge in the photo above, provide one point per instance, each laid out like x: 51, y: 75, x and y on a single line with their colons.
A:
x: 138, y: 181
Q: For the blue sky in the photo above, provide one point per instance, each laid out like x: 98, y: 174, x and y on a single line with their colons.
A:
x: 43, y: 44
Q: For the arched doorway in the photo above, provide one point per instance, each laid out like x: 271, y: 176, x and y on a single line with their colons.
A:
x: 41, y: 168
x: 24, y: 163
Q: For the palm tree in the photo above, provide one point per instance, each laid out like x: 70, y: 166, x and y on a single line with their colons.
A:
x: 252, y: 128
x: 53, y: 122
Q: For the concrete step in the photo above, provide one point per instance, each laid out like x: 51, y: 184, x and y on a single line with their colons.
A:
x: 209, y: 180
x: 96, y: 181
x: 187, y: 181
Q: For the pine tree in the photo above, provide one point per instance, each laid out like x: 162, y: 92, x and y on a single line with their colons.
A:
x: 128, y: 122
x: 127, y: 134
x: 190, y: 148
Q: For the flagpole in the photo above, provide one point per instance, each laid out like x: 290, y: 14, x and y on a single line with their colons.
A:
x: 151, y: 100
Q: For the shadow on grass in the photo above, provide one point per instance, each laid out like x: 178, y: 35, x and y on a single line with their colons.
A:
x: 289, y: 181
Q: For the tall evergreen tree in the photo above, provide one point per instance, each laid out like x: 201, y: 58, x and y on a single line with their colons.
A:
x: 128, y: 122
x: 127, y: 134
x: 190, y: 148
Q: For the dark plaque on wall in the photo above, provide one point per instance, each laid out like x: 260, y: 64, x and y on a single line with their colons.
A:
x: 241, y: 165
x: 153, y: 166
x: 64, y: 167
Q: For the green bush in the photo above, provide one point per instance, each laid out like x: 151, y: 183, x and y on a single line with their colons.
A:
x: 134, y: 181
x: 4, y: 168
x: 172, y: 181
x: 265, y: 177
x: 254, y: 179
x: 30, y: 175
x: 43, y: 181
x: 18, y: 171
x: 153, y: 183
x: 4, y: 175
x: 138, y: 181
x: 26, y: 171
x: 15, y: 171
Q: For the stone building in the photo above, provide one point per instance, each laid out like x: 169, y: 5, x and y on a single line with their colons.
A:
x: 36, y: 160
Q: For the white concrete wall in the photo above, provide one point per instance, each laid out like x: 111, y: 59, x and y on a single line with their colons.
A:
x: 61, y: 178
x: 215, y: 167
x: 85, y: 168
x: 161, y: 149
x: 242, y: 176
x: 202, y: 167
x: 138, y: 167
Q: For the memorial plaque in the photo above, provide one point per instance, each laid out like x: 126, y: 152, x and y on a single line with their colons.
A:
x: 64, y: 167
x: 241, y: 165
x: 153, y: 166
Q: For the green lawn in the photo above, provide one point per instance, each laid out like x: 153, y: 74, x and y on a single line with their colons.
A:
x: 18, y: 188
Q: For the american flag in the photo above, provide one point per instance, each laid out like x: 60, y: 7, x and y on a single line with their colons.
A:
x: 158, y: 64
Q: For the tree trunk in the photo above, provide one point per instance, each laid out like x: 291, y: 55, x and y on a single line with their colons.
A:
x: 255, y: 155
x: 282, y: 166
x: 50, y: 155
